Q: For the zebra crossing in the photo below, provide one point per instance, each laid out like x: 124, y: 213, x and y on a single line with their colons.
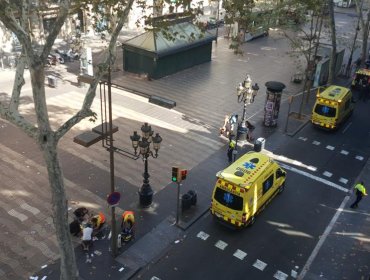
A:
x: 349, y: 154
x: 241, y: 255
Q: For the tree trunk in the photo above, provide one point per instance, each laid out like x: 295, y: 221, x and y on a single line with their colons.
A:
x: 48, y: 144
x: 333, y: 58
x: 68, y: 266
x: 365, y: 37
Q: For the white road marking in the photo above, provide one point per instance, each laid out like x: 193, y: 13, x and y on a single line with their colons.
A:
x: 240, y: 254
x: 322, y: 239
x: 316, y: 143
x: 296, y: 162
x: 327, y: 174
x: 221, y: 245
x: 18, y: 215
x: 29, y: 208
x: 260, y: 265
x: 343, y: 180
x: 344, y: 152
x: 280, y: 275
x: 312, y: 168
x: 331, y: 148
x: 359, y: 157
x: 313, y: 177
x: 302, y: 138
x: 202, y: 235
x: 155, y: 278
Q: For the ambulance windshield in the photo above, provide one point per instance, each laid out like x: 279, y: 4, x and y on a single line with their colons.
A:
x: 228, y: 199
x: 325, y: 110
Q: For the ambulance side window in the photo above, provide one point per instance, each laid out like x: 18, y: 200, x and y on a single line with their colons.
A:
x: 268, y: 184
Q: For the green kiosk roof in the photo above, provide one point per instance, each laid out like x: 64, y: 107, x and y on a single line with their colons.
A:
x: 182, y: 36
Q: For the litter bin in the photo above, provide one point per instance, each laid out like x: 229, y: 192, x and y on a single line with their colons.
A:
x: 259, y: 144
x: 52, y: 81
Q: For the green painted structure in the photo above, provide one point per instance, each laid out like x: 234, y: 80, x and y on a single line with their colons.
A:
x: 156, y: 54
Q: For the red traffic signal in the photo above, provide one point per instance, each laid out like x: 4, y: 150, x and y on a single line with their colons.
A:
x: 183, y: 174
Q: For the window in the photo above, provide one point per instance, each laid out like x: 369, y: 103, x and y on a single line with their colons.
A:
x: 325, y: 111
x: 268, y: 183
x: 229, y: 200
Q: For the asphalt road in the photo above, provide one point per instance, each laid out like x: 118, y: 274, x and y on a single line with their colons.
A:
x: 322, y: 167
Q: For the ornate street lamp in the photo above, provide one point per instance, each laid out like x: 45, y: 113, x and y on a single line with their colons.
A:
x: 146, y: 192
x: 246, y: 92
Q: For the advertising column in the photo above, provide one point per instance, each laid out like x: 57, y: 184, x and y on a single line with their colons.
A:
x: 272, y: 105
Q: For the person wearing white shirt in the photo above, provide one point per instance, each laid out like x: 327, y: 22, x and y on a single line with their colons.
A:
x: 87, y: 237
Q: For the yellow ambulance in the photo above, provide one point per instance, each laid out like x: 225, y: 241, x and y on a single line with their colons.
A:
x: 333, y: 106
x: 244, y: 188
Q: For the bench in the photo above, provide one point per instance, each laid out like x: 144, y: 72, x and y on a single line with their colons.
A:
x: 161, y: 101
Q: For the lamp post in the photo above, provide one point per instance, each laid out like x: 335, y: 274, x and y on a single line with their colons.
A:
x: 145, y: 150
x: 246, y: 94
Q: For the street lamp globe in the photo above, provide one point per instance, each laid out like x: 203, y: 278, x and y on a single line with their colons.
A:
x: 146, y: 131
x: 144, y: 146
x: 135, y: 140
x: 156, y: 142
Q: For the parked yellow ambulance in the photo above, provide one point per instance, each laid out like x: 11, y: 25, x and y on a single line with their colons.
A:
x: 245, y: 187
x: 333, y: 106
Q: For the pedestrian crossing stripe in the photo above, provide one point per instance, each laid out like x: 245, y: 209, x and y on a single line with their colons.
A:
x: 343, y: 180
x: 327, y: 174
x: 221, y: 245
x: 202, y: 235
x: 302, y: 138
x: 260, y: 265
x: 344, y: 152
x: 280, y: 275
x: 330, y: 147
x: 316, y: 143
x: 240, y: 254
x: 359, y: 157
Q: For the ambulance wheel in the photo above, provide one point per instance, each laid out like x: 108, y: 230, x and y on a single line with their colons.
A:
x: 281, y: 188
x: 252, y: 220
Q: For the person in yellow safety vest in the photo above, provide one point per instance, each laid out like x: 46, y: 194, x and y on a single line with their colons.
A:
x: 128, y: 221
x: 230, y: 150
x: 360, y: 192
x: 98, y: 221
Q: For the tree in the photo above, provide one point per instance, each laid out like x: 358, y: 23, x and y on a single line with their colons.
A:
x: 239, y: 13
x: 365, y: 27
x: 301, y: 23
x: 333, y: 57
x: 15, y: 15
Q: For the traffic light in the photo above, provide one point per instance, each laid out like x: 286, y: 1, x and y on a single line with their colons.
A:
x: 183, y: 174
x: 175, y: 173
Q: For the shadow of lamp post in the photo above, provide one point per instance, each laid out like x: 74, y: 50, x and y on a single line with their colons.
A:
x: 145, y: 151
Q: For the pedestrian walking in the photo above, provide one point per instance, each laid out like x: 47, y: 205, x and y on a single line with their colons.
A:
x: 360, y: 192
x: 230, y: 150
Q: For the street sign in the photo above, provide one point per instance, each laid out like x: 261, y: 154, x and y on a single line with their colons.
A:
x: 113, y: 198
